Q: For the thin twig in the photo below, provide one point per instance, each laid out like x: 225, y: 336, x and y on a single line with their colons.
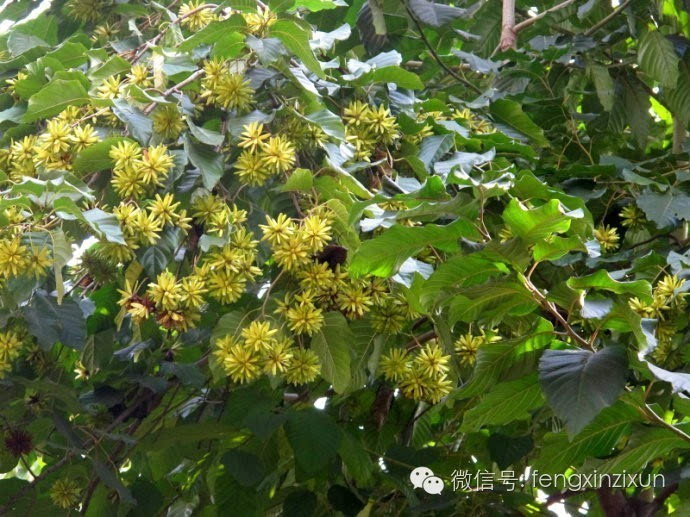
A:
x: 594, y: 28
x: 193, y: 77
x: 436, y: 56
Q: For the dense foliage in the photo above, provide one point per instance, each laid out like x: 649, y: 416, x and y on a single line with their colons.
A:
x: 464, y: 237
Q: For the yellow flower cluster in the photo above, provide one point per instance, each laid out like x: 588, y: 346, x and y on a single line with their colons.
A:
x: 263, y: 155
x: 167, y: 121
x: 18, y: 256
x: 608, y: 237
x: 11, y: 344
x: 54, y: 149
x: 666, y: 298
x: 367, y: 127
x: 262, y: 351
x: 65, y: 493
x: 138, y: 171
x: 195, y: 16
x: 302, y: 248
x: 420, y: 376
x: 668, y: 306
x: 260, y: 22
x: 222, y: 273
x: 225, y: 89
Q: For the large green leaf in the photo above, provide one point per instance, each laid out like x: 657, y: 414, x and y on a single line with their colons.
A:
x: 506, y: 402
x: 383, y: 255
x: 534, y: 224
x: 602, y: 280
x: 657, y: 57
x: 296, y: 40
x: 55, y: 97
x: 51, y: 323
x: 332, y: 344
x: 213, y: 32
x: 96, y: 157
x: 597, y: 439
x: 645, y: 445
x: 518, y: 354
x: 314, y: 437
x: 207, y: 160
x: 509, y: 113
x: 578, y: 383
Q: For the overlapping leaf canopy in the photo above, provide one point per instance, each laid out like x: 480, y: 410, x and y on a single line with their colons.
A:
x: 265, y: 259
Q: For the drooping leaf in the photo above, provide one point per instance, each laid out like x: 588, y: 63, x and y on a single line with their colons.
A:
x: 332, y: 345
x: 578, y: 384
x: 383, y: 255
x: 657, y: 58
x: 505, y: 403
x: 55, y: 97
x: 296, y: 40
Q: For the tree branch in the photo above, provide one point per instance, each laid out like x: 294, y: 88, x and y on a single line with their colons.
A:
x: 508, y: 33
x: 606, y: 19
x: 436, y: 56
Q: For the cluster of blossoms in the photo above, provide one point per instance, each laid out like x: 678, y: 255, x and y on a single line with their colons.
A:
x: 221, y: 274
x: 138, y: 171
x: 422, y: 375
x: 262, y: 350
x: 467, y: 346
x: 263, y: 155
x: 367, y: 127
x: 667, y: 306
x: 53, y: 149
x: 65, y: 493
x: 12, y: 341
x: 225, y: 89
x: 20, y: 254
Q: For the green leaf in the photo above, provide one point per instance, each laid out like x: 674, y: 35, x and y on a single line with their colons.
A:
x: 51, y: 323
x: 578, y: 383
x: 245, y: 467
x: 114, y: 66
x: 645, y: 445
x: 658, y: 59
x: 636, y: 104
x: 597, y: 439
x: 96, y: 157
x: 555, y: 247
x: 332, y: 345
x: 213, y: 32
x: 535, y: 224
x: 434, y: 147
x: 301, y: 180
x: 329, y: 123
x: 111, y: 480
x: 602, y: 280
x: 205, y: 136
x: 509, y: 113
x: 314, y: 437
x: 105, y: 224
x: 383, y: 255
x: 392, y: 74
x: 138, y: 124
x: 187, y: 433
x: 460, y: 271
x: 492, y: 300
x: 436, y: 14
x: 665, y: 209
x: 55, y: 97
x: 207, y: 160
x: 505, y: 403
x: 296, y: 40
x: 603, y: 84
x: 518, y: 354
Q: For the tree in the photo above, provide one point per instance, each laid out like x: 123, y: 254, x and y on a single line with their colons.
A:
x: 264, y: 259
